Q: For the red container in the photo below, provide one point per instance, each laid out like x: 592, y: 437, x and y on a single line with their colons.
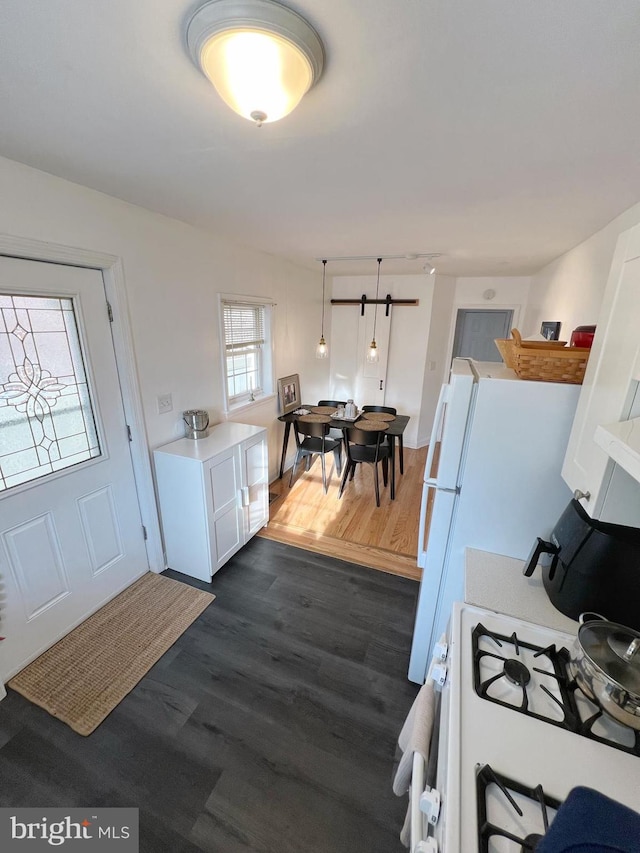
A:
x: 582, y: 336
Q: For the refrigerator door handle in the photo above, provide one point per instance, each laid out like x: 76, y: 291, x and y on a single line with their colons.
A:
x: 432, y: 483
x: 437, y: 425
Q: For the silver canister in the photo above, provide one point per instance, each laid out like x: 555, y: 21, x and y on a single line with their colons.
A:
x: 196, y: 423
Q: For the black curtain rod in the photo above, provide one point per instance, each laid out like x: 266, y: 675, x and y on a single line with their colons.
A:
x: 364, y: 300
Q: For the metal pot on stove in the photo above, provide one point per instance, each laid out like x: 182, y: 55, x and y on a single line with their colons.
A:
x: 605, y: 662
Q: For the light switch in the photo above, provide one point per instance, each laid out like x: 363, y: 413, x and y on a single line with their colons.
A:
x: 165, y: 403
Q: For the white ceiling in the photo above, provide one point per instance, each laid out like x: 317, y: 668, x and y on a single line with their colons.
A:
x: 498, y: 132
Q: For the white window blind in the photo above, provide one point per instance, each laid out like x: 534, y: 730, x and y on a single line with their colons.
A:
x: 243, y: 326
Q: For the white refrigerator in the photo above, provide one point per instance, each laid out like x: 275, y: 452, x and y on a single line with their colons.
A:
x: 498, y: 484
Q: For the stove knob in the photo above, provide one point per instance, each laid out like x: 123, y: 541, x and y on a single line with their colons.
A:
x: 430, y: 804
x: 440, y: 651
x: 439, y: 674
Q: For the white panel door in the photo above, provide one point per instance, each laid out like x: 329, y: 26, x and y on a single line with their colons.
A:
x: 255, y: 463
x: 71, y: 534
x: 225, y: 476
x: 371, y: 378
x: 476, y: 331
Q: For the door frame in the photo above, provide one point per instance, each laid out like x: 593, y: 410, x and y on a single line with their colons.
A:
x: 112, y: 271
x: 516, y: 307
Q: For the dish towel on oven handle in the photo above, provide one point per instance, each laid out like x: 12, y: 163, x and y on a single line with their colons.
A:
x: 589, y: 822
x: 414, y: 737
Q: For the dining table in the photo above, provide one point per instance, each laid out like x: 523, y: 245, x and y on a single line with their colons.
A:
x: 395, y: 428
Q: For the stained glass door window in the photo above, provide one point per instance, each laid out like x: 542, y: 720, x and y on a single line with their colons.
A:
x: 46, y: 417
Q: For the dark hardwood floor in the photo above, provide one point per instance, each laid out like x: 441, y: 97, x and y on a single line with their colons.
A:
x: 269, y: 726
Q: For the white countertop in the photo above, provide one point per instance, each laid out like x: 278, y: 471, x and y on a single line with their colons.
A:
x: 221, y: 437
x: 497, y: 583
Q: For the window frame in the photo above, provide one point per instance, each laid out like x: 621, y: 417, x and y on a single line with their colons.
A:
x: 266, y: 373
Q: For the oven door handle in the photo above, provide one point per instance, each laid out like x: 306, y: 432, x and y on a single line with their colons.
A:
x: 417, y: 787
x: 425, y: 801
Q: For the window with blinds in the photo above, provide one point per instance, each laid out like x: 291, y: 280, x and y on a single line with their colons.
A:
x: 245, y: 335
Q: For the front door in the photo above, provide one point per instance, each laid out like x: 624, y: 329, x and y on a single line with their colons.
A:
x: 476, y: 331
x: 71, y: 534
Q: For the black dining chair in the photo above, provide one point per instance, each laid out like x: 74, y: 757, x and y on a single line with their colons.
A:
x: 365, y: 446
x: 389, y: 411
x: 334, y: 433
x: 312, y: 439
x: 336, y: 403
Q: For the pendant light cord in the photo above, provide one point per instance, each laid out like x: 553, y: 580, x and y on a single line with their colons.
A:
x: 324, y: 270
x: 375, y: 313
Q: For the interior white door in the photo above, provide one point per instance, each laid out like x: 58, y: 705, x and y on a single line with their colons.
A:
x: 371, y: 378
x: 71, y: 534
x: 476, y: 331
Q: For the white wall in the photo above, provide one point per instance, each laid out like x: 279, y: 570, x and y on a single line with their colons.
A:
x: 407, y: 344
x: 436, y: 368
x: 570, y: 289
x: 173, y: 273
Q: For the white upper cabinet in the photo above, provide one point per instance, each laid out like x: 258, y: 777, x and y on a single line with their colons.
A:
x: 611, y: 379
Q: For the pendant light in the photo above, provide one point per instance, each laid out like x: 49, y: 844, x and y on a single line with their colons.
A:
x: 372, y: 352
x: 322, y: 350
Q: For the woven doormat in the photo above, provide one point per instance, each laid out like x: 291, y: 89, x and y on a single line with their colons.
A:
x: 85, y: 675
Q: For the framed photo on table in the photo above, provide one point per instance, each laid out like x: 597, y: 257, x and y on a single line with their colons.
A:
x: 550, y: 331
x: 289, y: 393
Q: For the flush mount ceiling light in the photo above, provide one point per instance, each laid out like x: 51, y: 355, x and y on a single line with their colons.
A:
x: 260, y: 56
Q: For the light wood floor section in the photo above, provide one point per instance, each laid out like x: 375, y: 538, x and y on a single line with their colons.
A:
x: 352, y: 528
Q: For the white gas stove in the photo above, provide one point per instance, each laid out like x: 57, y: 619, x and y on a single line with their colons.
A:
x: 516, y: 736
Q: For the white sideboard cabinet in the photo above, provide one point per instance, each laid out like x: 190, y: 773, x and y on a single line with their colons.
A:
x: 607, y: 394
x: 214, y: 496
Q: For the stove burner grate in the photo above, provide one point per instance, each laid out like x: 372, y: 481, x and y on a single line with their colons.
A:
x: 586, y: 728
x: 486, y: 776
x: 518, y: 674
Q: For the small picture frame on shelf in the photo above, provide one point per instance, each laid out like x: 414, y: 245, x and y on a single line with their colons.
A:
x: 289, y: 393
x: 550, y: 331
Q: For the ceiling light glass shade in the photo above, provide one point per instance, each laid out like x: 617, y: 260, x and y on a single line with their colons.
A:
x: 260, y: 56
x: 322, y: 350
x: 260, y: 76
x: 372, y: 353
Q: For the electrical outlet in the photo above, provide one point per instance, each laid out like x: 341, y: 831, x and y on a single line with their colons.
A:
x: 165, y: 403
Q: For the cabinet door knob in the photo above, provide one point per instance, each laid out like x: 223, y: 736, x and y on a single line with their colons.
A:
x: 579, y: 495
x: 244, y: 491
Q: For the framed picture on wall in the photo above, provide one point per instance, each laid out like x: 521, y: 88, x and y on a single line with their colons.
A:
x: 289, y: 393
x: 550, y: 331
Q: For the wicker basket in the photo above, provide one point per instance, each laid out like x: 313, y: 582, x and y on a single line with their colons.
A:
x: 505, y: 347
x: 552, y: 364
